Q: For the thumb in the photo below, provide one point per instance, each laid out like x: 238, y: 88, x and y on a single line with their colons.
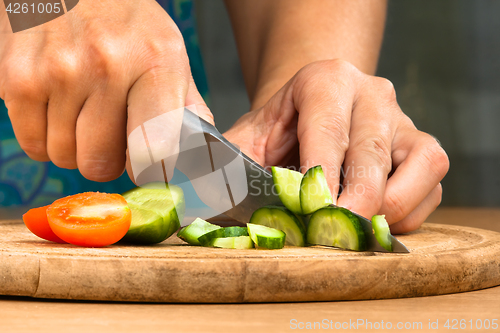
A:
x: 193, y: 98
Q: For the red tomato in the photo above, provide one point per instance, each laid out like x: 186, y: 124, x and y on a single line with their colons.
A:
x: 36, y: 221
x: 90, y: 219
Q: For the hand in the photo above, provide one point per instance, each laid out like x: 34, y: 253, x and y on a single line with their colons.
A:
x: 76, y: 86
x: 333, y: 115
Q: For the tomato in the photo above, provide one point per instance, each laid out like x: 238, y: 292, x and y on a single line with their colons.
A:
x: 36, y: 221
x: 90, y: 219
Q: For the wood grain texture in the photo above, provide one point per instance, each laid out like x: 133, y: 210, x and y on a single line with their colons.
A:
x: 443, y: 259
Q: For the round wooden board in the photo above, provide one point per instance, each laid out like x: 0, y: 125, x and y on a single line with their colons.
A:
x: 443, y: 259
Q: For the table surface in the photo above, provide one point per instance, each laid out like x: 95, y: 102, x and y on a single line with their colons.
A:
x: 472, y: 310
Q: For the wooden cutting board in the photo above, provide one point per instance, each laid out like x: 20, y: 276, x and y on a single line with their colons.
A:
x: 443, y: 259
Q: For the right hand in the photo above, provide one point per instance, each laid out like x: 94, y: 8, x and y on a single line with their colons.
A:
x: 75, y: 87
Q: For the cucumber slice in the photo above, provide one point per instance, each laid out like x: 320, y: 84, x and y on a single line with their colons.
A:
x: 282, y: 219
x: 240, y: 242
x: 336, y: 226
x: 222, y: 233
x: 314, y: 191
x: 197, y: 228
x: 382, y: 231
x: 287, y: 184
x: 266, y: 237
x: 162, y: 199
x: 147, y: 227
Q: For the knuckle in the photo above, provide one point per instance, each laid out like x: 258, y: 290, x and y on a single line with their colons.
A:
x: 333, y: 128
x: 378, y: 149
x: 384, y: 87
x: 436, y: 157
x: 34, y: 148
x: 63, y: 67
x: 371, y: 194
x: 395, y: 207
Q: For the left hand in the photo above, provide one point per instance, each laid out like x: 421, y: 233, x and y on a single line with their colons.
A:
x: 333, y: 115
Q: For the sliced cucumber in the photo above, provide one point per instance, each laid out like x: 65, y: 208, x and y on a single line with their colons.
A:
x: 314, y: 191
x: 222, y: 233
x: 382, y: 231
x: 164, y: 200
x: 266, y: 237
x: 147, y: 227
x: 240, y: 242
x: 197, y: 228
x: 287, y: 184
x: 332, y: 226
x: 282, y: 219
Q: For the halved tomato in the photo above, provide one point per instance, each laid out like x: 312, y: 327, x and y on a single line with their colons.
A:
x: 90, y: 219
x: 36, y: 221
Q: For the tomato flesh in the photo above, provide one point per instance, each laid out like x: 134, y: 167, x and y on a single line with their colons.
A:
x: 36, y: 221
x: 90, y: 219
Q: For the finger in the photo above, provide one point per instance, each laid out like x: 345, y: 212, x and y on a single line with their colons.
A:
x: 424, y: 166
x: 101, y: 135
x: 62, y: 114
x: 324, y: 106
x: 155, y: 110
x: 193, y: 98
x: 415, y: 219
x: 368, y: 159
x: 29, y: 121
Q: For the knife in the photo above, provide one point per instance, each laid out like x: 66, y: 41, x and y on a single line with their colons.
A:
x: 246, y: 195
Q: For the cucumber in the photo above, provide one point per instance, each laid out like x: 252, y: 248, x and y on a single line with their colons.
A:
x: 222, y: 233
x: 287, y: 184
x: 197, y: 228
x: 314, y: 191
x: 382, y: 231
x: 147, y: 227
x: 240, y: 242
x: 336, y: 226
x: 282, y: 219
x: 160, y: 198
x: 266, y: 237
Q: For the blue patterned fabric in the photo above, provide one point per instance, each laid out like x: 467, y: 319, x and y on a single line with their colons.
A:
x: 30, y: 183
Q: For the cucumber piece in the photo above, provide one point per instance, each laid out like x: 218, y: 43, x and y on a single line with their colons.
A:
x: 336, y: 226
x: 314, y: 191
x: 382, y: 231
x: 147, y: 227
x: 222, y: 233
x: 197, y: 228
x: 282, y: 219
x: 240, y: 242
x: 287, y: 184
x: 266, y: 237
x: 164, y: 200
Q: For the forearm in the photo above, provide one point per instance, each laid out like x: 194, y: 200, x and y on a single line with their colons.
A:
x: 276, y: 38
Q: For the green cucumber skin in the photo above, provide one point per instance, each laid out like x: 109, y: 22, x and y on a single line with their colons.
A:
x: 261, y: 236
x: 325, y: 215
x: 153, y: 232
x: 266, y: 243
x: 289, y: 200
x: 292, y: 225
x: 170, y: 196
x: 196, y: 229
x: 240, y: 242
x: 311, y: 202
x: 382, y: 231
x: 222, y: 233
